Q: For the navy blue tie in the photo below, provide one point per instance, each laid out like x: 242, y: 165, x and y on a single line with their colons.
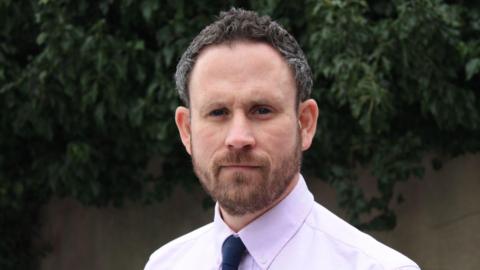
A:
x: 232, y: 252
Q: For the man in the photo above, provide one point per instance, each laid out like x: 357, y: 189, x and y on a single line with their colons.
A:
x: 247, y: 118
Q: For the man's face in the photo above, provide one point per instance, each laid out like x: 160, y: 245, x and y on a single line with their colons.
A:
x: 243, y: 129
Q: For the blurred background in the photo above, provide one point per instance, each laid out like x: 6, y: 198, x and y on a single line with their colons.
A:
x: 93, y: 174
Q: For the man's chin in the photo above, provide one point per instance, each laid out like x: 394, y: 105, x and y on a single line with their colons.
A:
x: 239, y: 208
x: 241, y: 199
x: 240, y: 176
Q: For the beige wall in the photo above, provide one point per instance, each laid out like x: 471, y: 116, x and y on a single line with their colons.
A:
x: 437, y: 224
x: 440, y: 220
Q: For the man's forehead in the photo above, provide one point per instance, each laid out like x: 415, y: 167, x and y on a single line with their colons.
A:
x: 255, y: 66
x: 248, y: 98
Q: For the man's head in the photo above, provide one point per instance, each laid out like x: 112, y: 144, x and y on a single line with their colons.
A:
x: 246, y: 123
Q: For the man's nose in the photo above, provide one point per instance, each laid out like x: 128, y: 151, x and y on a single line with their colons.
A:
x: 240, y: 134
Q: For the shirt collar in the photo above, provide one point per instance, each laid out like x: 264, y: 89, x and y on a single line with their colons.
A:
x: 265, y: 237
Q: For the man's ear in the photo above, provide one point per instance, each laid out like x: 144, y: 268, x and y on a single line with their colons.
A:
x: 307, y: 121
x: 182, y: 119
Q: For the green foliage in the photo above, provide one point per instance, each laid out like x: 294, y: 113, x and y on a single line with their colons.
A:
x: 87, y: 100
x: 396, y: 80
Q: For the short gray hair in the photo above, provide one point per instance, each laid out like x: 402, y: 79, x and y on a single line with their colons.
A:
x: 239, y: 24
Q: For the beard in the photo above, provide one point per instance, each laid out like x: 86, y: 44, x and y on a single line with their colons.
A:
x: 243, y: 192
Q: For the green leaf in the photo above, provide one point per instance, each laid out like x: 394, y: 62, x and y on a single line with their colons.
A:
x: 472, y: 67
x: 41, y: 38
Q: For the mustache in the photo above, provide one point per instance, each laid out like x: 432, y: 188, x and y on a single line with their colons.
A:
x: 239, y: 157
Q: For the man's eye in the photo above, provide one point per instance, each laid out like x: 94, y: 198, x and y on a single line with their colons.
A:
x: 262, y: 110
x: 218, y: 112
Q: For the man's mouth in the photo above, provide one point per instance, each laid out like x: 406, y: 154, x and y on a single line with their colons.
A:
x: 240, y: 166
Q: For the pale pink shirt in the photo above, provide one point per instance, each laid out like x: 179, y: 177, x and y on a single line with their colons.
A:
x: 298, y: 233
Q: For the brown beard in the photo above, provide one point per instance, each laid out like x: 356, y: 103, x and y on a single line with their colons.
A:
x: 242, y: 194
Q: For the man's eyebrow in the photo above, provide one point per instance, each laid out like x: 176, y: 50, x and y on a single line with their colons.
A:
x: 211, y: 104
x: 267, y: 101
x: 253, y: 102
x: 262, y: 101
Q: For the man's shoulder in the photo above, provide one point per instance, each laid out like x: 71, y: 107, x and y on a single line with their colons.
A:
x: 348, y: 239
x: 175, y: 248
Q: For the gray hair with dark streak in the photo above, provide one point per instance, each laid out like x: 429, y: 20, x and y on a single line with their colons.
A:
x: 239, y: 24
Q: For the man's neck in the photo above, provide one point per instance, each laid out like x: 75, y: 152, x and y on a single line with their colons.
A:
x: 236, y: 223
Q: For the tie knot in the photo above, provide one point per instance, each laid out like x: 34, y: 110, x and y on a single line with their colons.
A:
x: 232, y: 252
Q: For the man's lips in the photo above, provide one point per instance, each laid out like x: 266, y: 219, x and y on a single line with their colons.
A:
x: 240, y: 166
